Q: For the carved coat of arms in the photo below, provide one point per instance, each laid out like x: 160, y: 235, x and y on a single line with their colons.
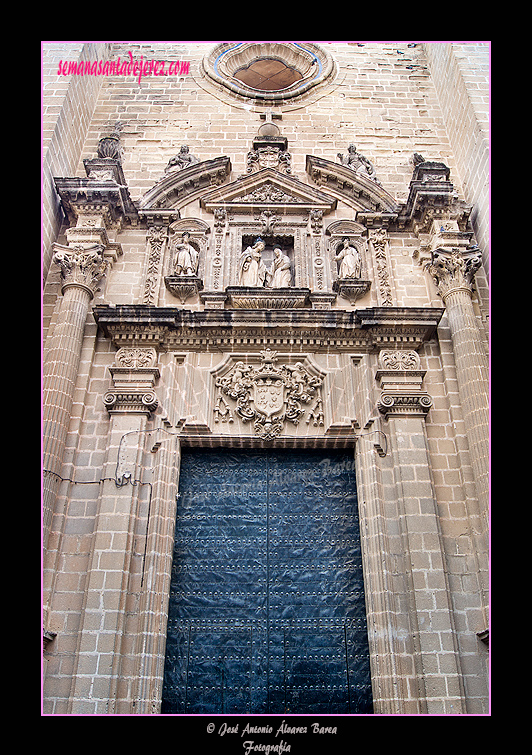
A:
x: 269, y: 395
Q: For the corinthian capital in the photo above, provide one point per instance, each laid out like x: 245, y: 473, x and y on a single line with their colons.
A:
x: 81, y: 267
x: 453, y: 270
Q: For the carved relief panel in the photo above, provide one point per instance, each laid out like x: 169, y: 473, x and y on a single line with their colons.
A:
x: 270, y: 391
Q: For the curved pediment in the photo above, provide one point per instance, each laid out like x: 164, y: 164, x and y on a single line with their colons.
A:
x: 179, y: 187
x: 268, y: 188
x: 362, y: 193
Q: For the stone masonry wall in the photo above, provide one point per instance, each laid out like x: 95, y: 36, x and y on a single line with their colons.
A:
x: 67, y: 105
x: 461, y: 75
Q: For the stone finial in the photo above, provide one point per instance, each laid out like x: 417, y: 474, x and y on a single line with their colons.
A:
x: 109, y: 146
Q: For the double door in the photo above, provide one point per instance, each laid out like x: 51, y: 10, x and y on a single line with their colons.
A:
x: 267, y: 610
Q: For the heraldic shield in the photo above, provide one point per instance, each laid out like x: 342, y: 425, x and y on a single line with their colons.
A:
x: 268, y: 395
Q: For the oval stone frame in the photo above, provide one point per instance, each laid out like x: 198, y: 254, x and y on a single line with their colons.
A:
x: 314, y: 64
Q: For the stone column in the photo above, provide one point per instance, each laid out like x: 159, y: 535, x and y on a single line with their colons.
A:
x: 94, y: 206
x: 405, y: 404
x: 81, y: 270
x: 453, y: 271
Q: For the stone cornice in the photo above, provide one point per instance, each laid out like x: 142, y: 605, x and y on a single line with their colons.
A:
x: 321, y: 330
x: 106, y: 195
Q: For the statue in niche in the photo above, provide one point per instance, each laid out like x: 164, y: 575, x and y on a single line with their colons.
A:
x: 357, y: 162
x: 350, y: 261
x: 252, y: 271
x: 181, y: 160
x: 279, y: 275
x: 186, y: 259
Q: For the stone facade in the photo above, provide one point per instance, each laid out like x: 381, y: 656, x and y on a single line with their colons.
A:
x: 303, y: 268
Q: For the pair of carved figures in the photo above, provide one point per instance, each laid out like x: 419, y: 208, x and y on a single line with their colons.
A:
x: 252, y: 272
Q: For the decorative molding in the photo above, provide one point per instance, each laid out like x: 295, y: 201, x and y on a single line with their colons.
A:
x: 156, y: 237
x: 401, y: 379
x: 133, y: 378
x: 315, y: 65
x: 268, y: 156
x: 378, y: 242
x: 401, y: 404
x: 351, y: 289
x: 268, y: 189
x: 133, y: 358
x: 104, y: 190
x: 399, y: 360
x: 183, y: 286
x: 178, y: 187
x: 267, y: 298
x: 130, y: 402
x: 359, y: 191
x: 181, y: 329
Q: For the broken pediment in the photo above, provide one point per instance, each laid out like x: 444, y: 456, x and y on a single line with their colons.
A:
x: 361, y: 192
x: 268, y: 188
x: 179, y: 187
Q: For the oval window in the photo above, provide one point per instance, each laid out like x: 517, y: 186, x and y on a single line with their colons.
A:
x: 268, y: 70
x: 268, y: 75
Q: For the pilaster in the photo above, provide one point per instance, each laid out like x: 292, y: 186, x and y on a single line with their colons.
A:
x: 405, y: 404
x: 153, y: 612
x: 130, y: 402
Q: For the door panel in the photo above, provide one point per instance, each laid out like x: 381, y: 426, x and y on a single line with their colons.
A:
x: 267, y: 611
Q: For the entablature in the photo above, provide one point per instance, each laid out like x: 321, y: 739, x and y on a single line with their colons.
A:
x: 171, y: 329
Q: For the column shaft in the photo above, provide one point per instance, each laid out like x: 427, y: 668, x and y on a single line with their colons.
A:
x: 59, y: 379
x: 472, y: 376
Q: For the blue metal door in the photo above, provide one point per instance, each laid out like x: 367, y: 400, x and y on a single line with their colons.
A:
x: 267, y: 610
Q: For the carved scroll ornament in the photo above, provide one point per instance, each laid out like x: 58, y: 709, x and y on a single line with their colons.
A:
x: 270, y: 395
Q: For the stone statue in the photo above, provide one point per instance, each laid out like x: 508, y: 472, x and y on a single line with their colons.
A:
x: 251, y: 268
x: 186, y: 259
x: 358, y: 163
x: 350, y: 261
x: 182, y: 160
x: 279, y: 276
